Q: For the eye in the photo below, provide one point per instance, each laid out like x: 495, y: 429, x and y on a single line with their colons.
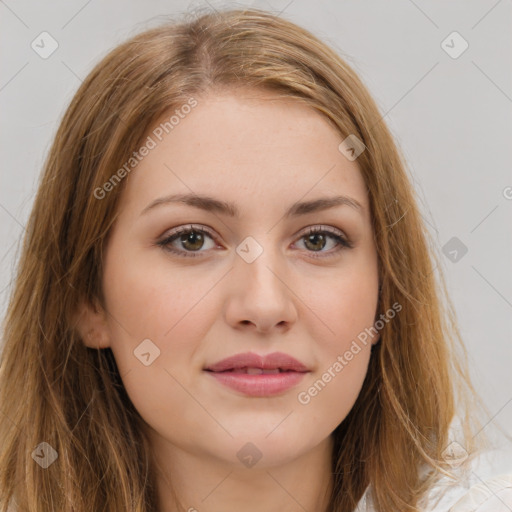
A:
x: 317, y: 238
x: 192, y: 239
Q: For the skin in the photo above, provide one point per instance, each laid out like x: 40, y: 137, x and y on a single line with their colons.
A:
x: 263, y: 154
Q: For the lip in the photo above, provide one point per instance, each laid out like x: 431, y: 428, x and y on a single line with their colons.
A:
x: 275, y: 360
x: 231, y: 372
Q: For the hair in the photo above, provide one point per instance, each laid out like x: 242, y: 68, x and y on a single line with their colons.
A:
x: 417, y: 383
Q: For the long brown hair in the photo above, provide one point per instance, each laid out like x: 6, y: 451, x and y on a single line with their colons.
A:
x: 53, y: 389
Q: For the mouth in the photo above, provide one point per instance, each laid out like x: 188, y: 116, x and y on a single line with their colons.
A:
x: 250, y: 362
x: 258, y: 376
x: 254, y: 371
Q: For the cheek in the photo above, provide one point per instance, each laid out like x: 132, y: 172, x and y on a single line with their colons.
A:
x: 158, y: 303
x: 347, y: 309
x: 174, y: 311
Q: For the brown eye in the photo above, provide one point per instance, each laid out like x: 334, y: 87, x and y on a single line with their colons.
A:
x: 316, y: 239
x: 187, y: 241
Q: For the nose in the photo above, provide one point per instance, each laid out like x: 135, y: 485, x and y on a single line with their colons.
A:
x: 262, y: 298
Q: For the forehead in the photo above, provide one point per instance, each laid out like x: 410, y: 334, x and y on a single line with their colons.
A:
x: 246, y: 147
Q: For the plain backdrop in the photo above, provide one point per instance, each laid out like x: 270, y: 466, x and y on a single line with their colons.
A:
x: 449, y: 110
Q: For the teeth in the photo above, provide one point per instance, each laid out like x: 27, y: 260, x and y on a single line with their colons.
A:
x: 258, y: 371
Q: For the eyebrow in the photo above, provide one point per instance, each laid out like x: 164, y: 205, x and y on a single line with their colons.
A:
x: 212, y: 204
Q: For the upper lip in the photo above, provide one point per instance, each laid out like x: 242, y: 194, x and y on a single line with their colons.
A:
x: 271, y: 361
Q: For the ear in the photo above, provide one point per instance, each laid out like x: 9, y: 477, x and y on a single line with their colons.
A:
x: 92, y: 326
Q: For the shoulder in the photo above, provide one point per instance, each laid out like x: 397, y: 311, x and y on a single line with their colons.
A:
x: 491, y: 495
x: 486, y: 487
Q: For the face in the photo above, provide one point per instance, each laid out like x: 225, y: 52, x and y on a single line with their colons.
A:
x: 274, y: 278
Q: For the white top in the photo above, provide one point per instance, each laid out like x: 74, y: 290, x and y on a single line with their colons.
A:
x: 486, y: 488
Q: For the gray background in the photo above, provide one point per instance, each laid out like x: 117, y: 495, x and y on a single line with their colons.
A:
x: 450, y: 116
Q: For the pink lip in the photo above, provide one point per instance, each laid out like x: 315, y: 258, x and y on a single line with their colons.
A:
x: 230, y: 372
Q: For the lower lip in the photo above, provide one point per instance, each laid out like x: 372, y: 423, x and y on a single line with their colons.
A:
x: 259, y: 385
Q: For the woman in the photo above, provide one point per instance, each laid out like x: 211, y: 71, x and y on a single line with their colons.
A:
x: 226, y: 297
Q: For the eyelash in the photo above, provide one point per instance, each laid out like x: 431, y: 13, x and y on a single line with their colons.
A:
x: 165, y: 243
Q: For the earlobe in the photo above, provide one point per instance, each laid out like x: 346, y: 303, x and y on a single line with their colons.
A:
x: 92, y: 327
